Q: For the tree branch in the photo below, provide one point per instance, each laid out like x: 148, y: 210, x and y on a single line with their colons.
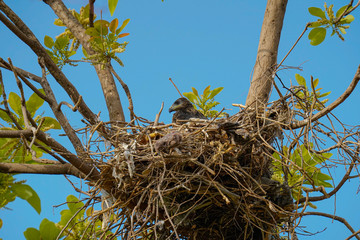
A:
x: 337, y: 218
x: 263, y: 78
x: 55, y: 169
x: 18, y: 27
x: 333, y: 105
x: 108, y: 85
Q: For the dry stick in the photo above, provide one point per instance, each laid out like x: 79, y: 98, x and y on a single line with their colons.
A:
x: 333, y: 105
x: 353, y: 235
x: 20, y: 71
x: 158, y: 115
x: 127, y: 92
x: 347, y: 11
x: 175, y: 87
x: 73, y: 108
x: 296, y: 42
x: 337, y: 218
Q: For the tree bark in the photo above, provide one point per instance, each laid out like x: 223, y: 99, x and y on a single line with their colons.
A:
x: 107, y: 82
x: 265, y: 64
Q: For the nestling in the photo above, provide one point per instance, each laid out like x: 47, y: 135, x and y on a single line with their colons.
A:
x: 184, y: 110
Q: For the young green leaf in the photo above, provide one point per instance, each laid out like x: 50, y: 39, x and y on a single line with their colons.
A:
x: 61, y: 42
x: 26, y: 192
x: 191, y: 96
x: 341, y: 10
x: 15, y: 103
x: 206, y: 92
x: 34, y: 102
x: 112, y: 6
x: 48, y: 41
x: 92, y: 32
x: 195, y: 91
x: 125, y: 22
x: 50, y: 123
x: 317, y: 36
x: 48, y: 229
x: 32, y: 234
x: 215, y: 92
x: 317, y: 12
x: 300, y: 80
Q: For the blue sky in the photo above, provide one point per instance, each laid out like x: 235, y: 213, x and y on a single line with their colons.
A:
x: 196, y: 43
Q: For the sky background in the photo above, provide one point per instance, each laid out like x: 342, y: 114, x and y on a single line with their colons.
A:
x: 196, y: 43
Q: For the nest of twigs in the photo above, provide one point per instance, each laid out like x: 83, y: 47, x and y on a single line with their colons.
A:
x: 199, y: 180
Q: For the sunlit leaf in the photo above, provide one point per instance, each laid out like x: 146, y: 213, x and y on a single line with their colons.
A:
x: 15, y: 103
x: 32, y: 234
x: 61, y: 42
x: 92, y: 32
x: 26, y: 192
x: 48, y: 229
x: 342, y: 10
x: 34, y: 102
x: 50, y: 123
x: 191, y: 96
x: 215, y: 92
x: 317, y: 12
x: 48, y: 41
x: 112, y: 6
x: 300, y: 80
x: 206, y: 92
x: 123, y: 35
x: 113, y: 25
x: 317, y: 36
x: 125, y: 22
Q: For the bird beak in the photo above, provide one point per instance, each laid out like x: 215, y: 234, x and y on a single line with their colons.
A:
x: 171, y: 109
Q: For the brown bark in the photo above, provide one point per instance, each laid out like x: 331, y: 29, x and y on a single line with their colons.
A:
x: 265, y: 64
x: 108, y: 85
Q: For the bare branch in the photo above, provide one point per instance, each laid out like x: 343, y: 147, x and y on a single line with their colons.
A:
x: 337, y: 218
x: 55, y: 169
x: 333, y: 105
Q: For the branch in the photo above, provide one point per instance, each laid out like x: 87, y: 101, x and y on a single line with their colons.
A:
x: 332, y: 106
x: 55, y: 169
x: 108, y: 85
x: 337, y: 218
x: 18, y: 27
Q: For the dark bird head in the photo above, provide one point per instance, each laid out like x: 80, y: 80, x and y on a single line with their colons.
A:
x: 180, y: 104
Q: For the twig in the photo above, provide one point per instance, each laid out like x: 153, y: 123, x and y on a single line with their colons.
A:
x: 73, y: 108
x: 332, y: 106
x: 175, y: 87
x: 158, y: 115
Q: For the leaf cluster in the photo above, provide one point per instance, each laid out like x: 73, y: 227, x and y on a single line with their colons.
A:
x: 206, y: 101
x: 310, y: 99
x: 15, y: 149
x: 300, y: 167
x: 104, y: 40
x: 75, y: 221
x: 329, y: 19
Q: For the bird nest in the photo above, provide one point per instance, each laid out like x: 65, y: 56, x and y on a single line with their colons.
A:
x: 198, y: 180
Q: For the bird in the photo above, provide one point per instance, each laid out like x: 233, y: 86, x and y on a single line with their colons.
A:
x: 184, y: 110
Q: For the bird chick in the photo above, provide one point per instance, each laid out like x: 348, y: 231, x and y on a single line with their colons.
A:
x: 184, y: 110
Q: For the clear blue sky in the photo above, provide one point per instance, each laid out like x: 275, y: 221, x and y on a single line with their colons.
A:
x: 196, y: 43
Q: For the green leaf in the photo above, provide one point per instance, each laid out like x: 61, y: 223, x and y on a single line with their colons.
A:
x: 25, y: 192
x: 34, y: 102
x: 324, y: 94
x: 59, y: 23
x: 5, y: 117
x: 206, y: 92
x: 195, y: 91
x: 66, y: 215
x: 48, y: 230
x: 92, y: 32
x: 48, y: 41
x: 348, y: 19
x: 341, y: 10
x: 32, y: 234
x: 317, y: 12
x: 112, y: 6
x: 315, y: 82
x: 61, y: 42
x: 191, y: 96
x: 73, y: 203
x: 113, y: 25
x: 300, y: 80
x: 317, y: 36
x: 15, y: 103
x: 125, y: 22
x: 215, y: 92
x: 50, y: 123
x: 101, y: 27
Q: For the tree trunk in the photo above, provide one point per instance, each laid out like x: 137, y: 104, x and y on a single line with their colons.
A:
x: 265, y: 64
